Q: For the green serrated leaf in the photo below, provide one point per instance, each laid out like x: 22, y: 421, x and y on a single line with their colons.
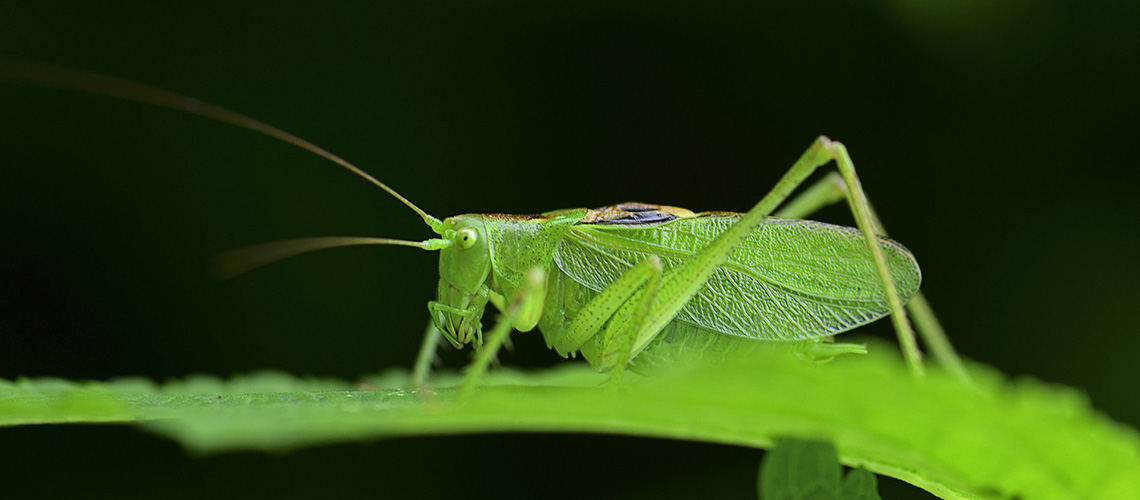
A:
x: 996, y: 439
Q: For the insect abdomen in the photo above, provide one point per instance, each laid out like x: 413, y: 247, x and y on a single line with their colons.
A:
x: 691, y: 341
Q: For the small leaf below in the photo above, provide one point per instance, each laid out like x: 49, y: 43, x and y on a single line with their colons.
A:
x: 798, y: 469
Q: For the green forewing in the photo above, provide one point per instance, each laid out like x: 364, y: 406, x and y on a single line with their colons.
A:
x: 789, y: 280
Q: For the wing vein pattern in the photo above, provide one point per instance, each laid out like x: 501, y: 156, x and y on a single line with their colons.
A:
x: 789, y: 280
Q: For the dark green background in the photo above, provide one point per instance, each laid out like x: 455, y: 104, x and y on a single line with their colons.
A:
x: 998, y: 143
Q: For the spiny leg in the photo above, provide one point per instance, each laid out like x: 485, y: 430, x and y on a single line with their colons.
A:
x: 426, y: 356
x: 628, y: 297
x: 602, y: 309
x: 523, y: 304
x: 640, y: 310
x: 831, y: 189
x: 483, y: 356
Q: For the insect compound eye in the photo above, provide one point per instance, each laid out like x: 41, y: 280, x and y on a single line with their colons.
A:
x: 466, y: 238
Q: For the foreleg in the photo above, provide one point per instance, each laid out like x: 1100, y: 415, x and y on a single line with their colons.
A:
x: 529, y: 298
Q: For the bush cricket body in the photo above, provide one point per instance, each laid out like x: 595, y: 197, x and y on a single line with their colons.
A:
x: 620, y: 283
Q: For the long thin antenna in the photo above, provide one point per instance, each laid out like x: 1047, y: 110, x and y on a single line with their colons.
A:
x: 235, y: 262
x: 50, y: 76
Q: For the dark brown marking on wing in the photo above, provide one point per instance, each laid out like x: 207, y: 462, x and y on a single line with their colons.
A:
x: 634, y: 213
x: 630, y: 213
x: 637, y: 207
x: 639, y: 218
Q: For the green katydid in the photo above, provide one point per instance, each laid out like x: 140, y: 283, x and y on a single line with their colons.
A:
x: 619, y: 283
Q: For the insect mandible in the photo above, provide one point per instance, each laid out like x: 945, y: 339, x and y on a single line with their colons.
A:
x: 623, y: 283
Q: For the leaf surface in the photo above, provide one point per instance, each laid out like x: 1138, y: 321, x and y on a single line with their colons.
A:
x: 998, y: 439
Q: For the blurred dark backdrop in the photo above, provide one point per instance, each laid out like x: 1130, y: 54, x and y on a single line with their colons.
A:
x: 996, y: 141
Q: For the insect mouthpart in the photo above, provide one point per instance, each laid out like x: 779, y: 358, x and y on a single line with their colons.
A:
x: 458, y: 315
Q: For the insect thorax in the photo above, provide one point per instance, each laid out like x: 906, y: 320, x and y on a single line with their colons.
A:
x: 520, y: 243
